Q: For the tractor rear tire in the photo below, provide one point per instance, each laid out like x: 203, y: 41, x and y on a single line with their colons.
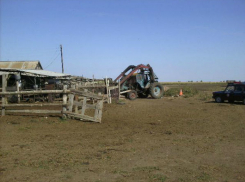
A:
x: 156, y: 90
x: 132, y: 95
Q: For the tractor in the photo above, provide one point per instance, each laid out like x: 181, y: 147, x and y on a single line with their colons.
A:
x: 139, y: 81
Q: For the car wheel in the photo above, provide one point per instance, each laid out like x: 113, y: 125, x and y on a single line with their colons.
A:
x: 218, y: 99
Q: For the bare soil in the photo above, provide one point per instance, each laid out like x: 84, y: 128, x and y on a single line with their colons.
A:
x: 172, y: 139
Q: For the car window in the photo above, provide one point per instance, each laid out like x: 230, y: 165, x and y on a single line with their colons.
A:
x: 229, y: 88
x: 238, y: 88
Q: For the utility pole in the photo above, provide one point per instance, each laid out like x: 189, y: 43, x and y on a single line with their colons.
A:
x: 61, y: 52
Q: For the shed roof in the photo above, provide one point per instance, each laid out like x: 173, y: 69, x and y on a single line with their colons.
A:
x: 30, y: 65
x: 38, y: 73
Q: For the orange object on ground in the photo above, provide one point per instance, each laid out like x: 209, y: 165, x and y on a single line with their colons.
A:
x: 180, y: 92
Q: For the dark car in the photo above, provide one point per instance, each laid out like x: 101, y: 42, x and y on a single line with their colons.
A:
x: 233, y: 92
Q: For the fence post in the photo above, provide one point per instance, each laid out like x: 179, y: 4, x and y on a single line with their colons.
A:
x: 64, y: 100
x: 4, y: 85
x: 76, y: 99
x: 18, y: 89
x: 84, y: 103
x: 119, y: 90
x: 18, y: 86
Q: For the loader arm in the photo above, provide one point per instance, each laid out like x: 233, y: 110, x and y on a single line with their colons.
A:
x: 134, y: 69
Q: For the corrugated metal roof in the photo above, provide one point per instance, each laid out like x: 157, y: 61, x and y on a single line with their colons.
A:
x: 45, y: 73
x: 40, y: 73
x: 32, y: 65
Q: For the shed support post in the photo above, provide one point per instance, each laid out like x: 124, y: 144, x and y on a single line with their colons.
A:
x: 4, y: 85
x: 18, y: 89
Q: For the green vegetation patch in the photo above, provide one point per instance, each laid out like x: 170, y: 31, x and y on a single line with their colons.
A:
x: 171, y: 92
x: 187, y: 92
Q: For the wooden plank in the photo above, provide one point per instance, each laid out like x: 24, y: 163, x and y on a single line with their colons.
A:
x: 86, y: 94
x: 91, y: 86
x: 98, y: 111
x: 125, y: 92
x: 33, y: 105
x: 64, y: 100
x: 70, y: 104
x: 34, y: 92
x: 109, y: 96
x: 112, y: 87
x: 77, y: 103
x: 76, y: 100
x: 35, y: 111
x: 84, y: 105
x: 18, y: 89
x: 99, y: 105
x: 89, y: 118
x: 90, y: 106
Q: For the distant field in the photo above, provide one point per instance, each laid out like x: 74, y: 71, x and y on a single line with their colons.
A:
x: 200, y: 86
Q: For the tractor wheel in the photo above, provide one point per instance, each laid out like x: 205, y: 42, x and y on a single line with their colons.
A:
x: 143, y: 95
x: 156, y: 90
x: 132, y: 95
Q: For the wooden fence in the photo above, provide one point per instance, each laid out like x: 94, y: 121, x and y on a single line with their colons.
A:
x: 75, y: 103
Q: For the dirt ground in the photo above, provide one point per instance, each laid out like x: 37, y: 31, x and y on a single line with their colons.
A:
x: 173, y: 139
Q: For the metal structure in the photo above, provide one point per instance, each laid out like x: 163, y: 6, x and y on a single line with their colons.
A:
x: 139, y: 81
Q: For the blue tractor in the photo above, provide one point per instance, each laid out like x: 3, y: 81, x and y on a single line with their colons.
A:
x: 139, y: 81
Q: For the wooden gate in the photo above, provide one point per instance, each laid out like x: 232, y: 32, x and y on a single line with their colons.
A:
x: 79, y: 102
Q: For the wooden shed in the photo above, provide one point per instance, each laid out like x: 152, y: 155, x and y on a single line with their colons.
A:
x: 27, y: 65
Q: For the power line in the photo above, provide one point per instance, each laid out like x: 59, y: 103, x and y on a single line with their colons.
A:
x: 52, y: 61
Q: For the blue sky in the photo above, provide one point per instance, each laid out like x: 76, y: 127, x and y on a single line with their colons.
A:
x: 181, y: 39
